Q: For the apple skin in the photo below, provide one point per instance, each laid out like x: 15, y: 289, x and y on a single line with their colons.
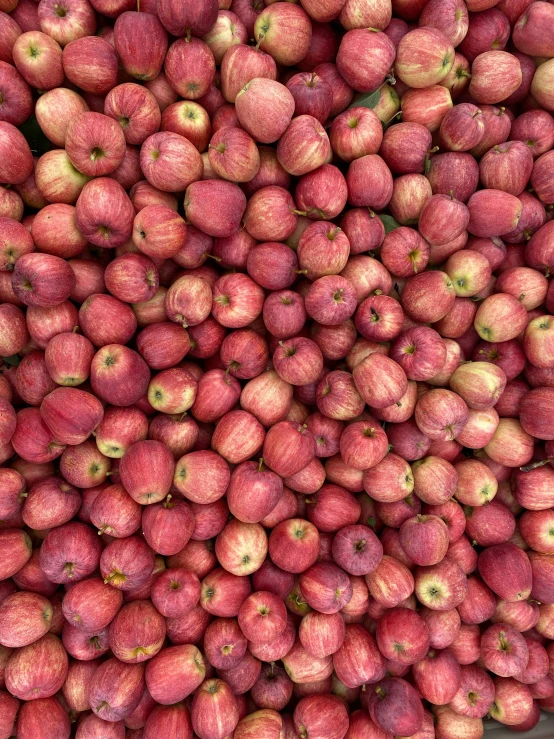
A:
x: 532, y: 488
x: 116, y: 689
x: 516, y: 561
x: 264, y: 491
x: 507, y: 167
x: 395, y: 706
x: 203, y: 199
x: 264, y: 99
x: 495, y: 75
x: 390, y: 583
x: 321, y: 634
x: 42, y: 715
x: 513, y: 701
x: 104, y: 214
x: 168, y: 526
x: 437, y: 676
x: 70, y: 553
x: 424, y: 539
x: 240, y: 65
x: 26, y: 617
x: 17, y: 103
x: 503, y: 650
x: 111, y: 370
x: 214, y: 709
x: 42, y: 280
x: 284, y: 32
x: 38, y: 669
x: 321, y: 716
x: 355, y: 133
x: 92, y: 605
x: 304, y: 146
x: 294, y: 545
x: 129, y: 28
x: 10, y: 31
x: 377, y: 52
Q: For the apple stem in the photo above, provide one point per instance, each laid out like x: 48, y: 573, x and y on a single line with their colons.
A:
x: 299, y: 212
x: 212, y: 256
x: 261, y: 465
x: 536, y: 465
x: 138, y: 6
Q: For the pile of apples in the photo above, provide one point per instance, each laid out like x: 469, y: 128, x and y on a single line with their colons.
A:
x: 277, y: 376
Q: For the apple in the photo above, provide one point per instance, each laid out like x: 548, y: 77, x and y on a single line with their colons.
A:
x: 507, y: 167
x: 533, y: 126
x: 491, y: 314
x: 253, y: 492
x: 240, y: 65
x: 42, y: 280
x: 50, y: 503
x: 495, y: 75
x: 224, y: 199
x: 262, y: 617
x: 126, y: 563
x: 424, y: 57
x: 455, y: 171
x: 10, y: 31
x: 518, y: 586
x: 176, y: 592
x: 395, y: 706
x: 170, y: 162
x: 32, y: 439
x: 294, y: 545
x: 513, y: 701
x: 503, y: 650
x: 536, y: 341
x: 26, y: 617
x: 17, y: 104
x: 262, y: 98
x: 174, y: 673
x: 38, y: 669
x: 476, y: 693
x: 38, y: 58
x: 312, y: 95
x: 140, y: 60
x: 284, y: 32
x: 41, y: 715
x: 137, y: 632
x: 119, y: 375
x: 116, y: 689
x: 377, y: 52
x: 322, y: 634
x: 214, y: 709
x: 321, y: 715
x: 304, y: 146
x: 238, y: 436
x: 104, y: 214
x: 437, y: 676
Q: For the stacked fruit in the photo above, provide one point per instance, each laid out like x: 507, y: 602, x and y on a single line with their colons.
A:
x: 277, y: 379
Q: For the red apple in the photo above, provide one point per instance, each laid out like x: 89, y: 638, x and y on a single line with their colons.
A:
x: 284, y: 32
